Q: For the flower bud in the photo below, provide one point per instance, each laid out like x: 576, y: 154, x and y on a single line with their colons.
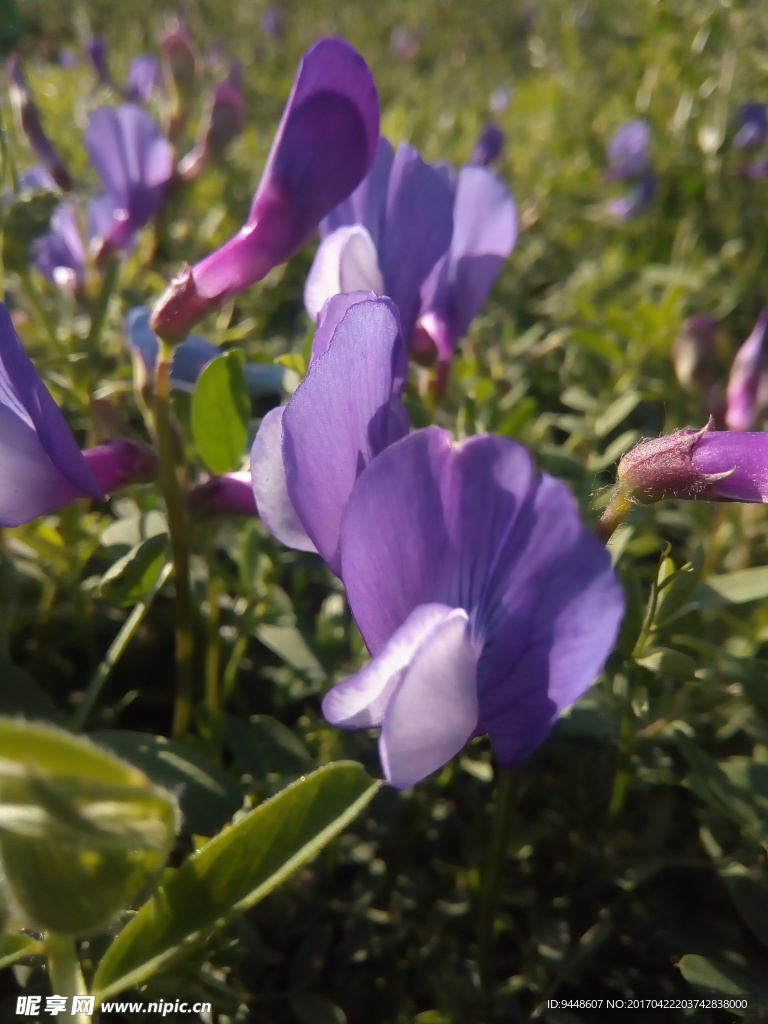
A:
x: 81, y: 833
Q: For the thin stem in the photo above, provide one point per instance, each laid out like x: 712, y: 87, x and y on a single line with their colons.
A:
x: 212, y: 650
x: 101, y: 304
x: 613, y: 515
x: 65, y: 974
x: 115, y: 652
x: 179, y: 536
x: 506, y: 792
x: 30, y: 290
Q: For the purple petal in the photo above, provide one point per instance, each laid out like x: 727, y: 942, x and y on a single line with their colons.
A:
x: 269, y: 485
x: 489, y: 145
x: 341, y: 417
x: 41, y: 467
x: 133, y: 159
x: 367, y: 204
x: 330, y: 317
x: 60, y: 255
x: 419, y: 226
x: 635, y: 201
x: 752, y: 119
x: 346, y: 261
x: 627, y: 150
x: 744, y: 381
x: 230, y: 493
x: 472, y: 526
x: 360, y: 702
x: 741, y: 455
x: 144, y: 75
x: 433, y: 711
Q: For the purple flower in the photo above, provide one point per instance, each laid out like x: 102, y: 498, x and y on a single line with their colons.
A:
x: 324, y: 146
x: 484, y: 234
x: 41, y: 467
x: 744, y: 383
x: 387, y: 236
x: 486, y: 605
x: 181, y: 57
x: 134, y: 161
x: 273, y: 23
x: 228, y: 494
x: 225, y: 121
x: 751, y: 120
x: 627, y: 151
x: 144, y: 76
x: 58, y: 255
x: 96, y: 48
x: 31, y: 125
x: 703, y: 465
x: 489, y: 145
x: 308, y: 454
x: 635, y: 201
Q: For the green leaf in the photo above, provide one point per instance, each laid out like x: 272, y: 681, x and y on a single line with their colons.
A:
x: 27, y: 218
x: 20, y: 695
x: 314, y: 1009
x: 131, y: 577
x: 751, y: 899
x: 265, y: 745
x: 15, y: 947
x: 233, y: 872
x: 730, y: 588
x: 708, y: 976
x: 288, y: 643
x: 208, y: 797
x: 220, y: 412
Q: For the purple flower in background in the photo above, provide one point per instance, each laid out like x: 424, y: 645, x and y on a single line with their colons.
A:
x: 703, y: 465
x: 96, y: 49
x: 629, y: 160
x: 751, y: 122
x: 489, y: 145
x: 325, y: 144
x: 484, y: 234
x: 192, y: 356
x: 747, y: 374
x: 224, y: 122
x: 31, y: 125
x: 144, y: 76
x: 387, y: 236
x: 41, y: 467
x: 135, y: 162
x: 486, y: 605
x: 273, y: 23
x: 181, y: 57
x: 308, y: 454
x: 228, y: 494
x: 58, y: 255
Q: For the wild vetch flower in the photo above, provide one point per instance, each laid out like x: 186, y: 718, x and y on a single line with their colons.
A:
x: 489, y: 145
x: 134, y: 161
x: 144, y: 76
x: 751, y: 122
x: 484, y: 234
x: 228, y: 494
x: 325, y: 144
x: 486, y: 605
x: 192, y: 356
x: 41, y: 467
x: 747, y: 373
x: 59, y: 254
x: 308, y: 454
x: 224, y: 122
x: 96, y: 48
x: 629, y: 160
x: 31, y: 125
x: 387, y: 236
x: 704, y: 465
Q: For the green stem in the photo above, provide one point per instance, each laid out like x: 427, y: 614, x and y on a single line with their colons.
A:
x: 613, y: 515
x: 65, y: 974
x: 31, y: 292
x: 179, y: 536
x: 101, y: 304
x: 115, y: 652
x: 212, y: 651
x: 506, y: 792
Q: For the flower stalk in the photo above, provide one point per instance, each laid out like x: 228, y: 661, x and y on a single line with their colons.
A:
x: 64, y: 972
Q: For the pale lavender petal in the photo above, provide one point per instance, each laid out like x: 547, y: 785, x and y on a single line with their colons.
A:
x: 360, y: 702
x: 367, y: 204
x: 341, y: 417
x: 330, y: 317
x: 432, y: 713
x: 144, y: 75
x: 744, y: 381
x: 419, y: 226
x: 346, y: 261
x: 269, y: 485
x: 740, y: 454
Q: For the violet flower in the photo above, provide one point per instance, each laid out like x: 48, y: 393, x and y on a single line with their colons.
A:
x: 225, y: 120
x: 387, y: 236
x: 192, y: 356
x: 59, y: 254
x: 751, y: 121
x: 484, y: 234
x: 308, y: 454
x: 144, y: 76
x: 31, y: 125
x: 486, y: 605
x: 703, y: 465
x: 96, y: 49
x: 135, y: 162
x: 41, y: 467
x: 747, y: 373
x: 629, y: 161
x: 489, y: 145
x: 325, y: 144
x: 227, y: 494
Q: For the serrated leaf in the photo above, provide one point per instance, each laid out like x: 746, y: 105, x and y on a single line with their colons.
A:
x: 131, y: 577
x: 233, y: 872
x: 220, y: 412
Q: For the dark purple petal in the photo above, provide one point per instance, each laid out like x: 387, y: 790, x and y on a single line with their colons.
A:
x: 752, y: 121
x: 744, y: 382
x: 341, y: 416
x: 346, y: 261
x: 228, y: 494
x: 627, y: 150
x: 41, y: 467
x: 472, y: 526
x: 120, y: 463
x: 419, y: 226
x: 134, y: 161
x: 270, y: 490
x: 489, y: 145
x: 31, y: 125
x: 635, y: 202
x: 96, y: 48
x: 367, y: 204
